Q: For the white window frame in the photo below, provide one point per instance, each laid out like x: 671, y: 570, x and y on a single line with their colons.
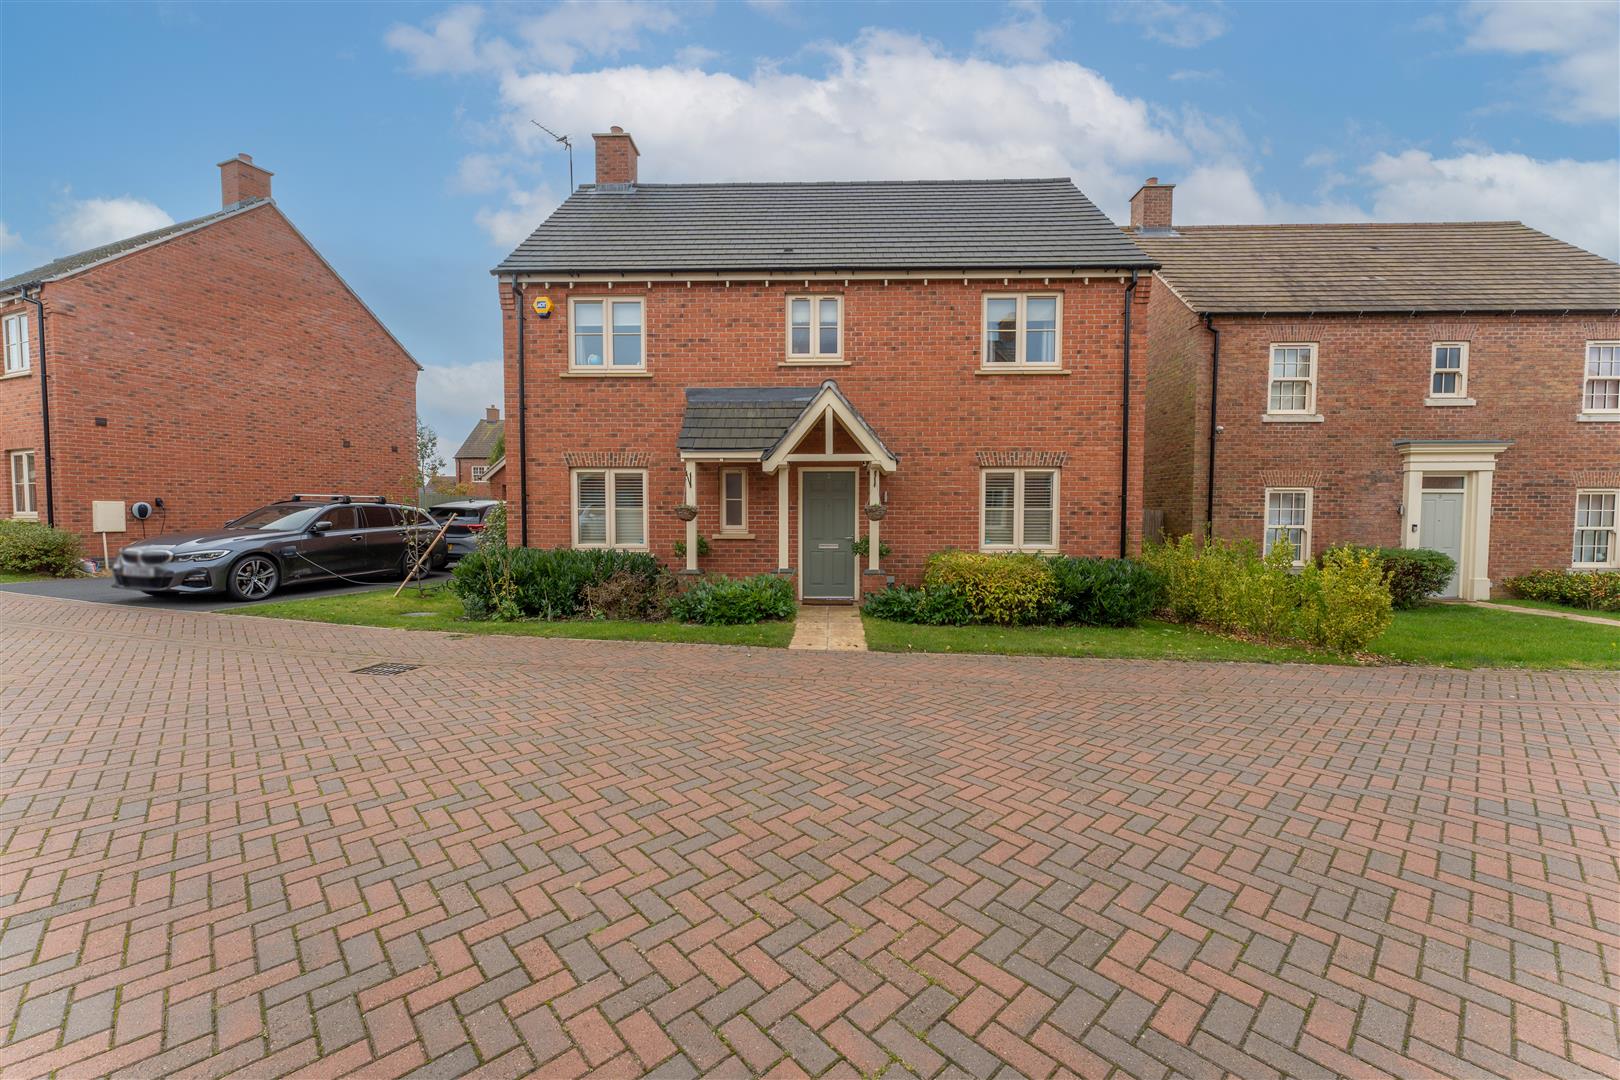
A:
x: 479, y: 472
x: 1459, y: 395
x: 1018, y: 544
x: 815, y: 355
x: 1587, y: 379
x: 1022, y: 329
x: 21, y: 507
x: 1310, y: 384
x: 15, y: 328
x: 1612, y: 529
x: 741, y: 527
x: 1302, y: 552
x: 606, y: 367
x: 609, y: 485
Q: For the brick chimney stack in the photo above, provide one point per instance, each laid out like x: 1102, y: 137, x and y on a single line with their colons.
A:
x: 240, y: 180
x: 1150, y: 206
x: 616, y: 156
x: 492, y: 413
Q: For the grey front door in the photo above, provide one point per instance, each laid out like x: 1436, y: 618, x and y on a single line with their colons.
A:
x: 1442, y: 529
x: 827, y: 525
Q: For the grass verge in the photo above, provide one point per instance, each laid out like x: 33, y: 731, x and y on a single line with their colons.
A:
x: 439, y: 609
x: 1457, y: 635
x: 1153, y: 640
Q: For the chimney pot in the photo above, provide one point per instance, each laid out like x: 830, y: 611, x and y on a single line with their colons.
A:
x: 616, y: 156
x: 1152, y: 204
x: 240, y: 180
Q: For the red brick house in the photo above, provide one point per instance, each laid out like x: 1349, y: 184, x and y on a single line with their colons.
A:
x: 1452, y: 386
x: 776, y: 358
x: 214, y: 364
x: 473, y: 458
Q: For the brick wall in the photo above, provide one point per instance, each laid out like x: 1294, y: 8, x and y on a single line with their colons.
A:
x: 1524, y: 372
x: 476, y: 489
x: 1175, y: 470
x: 913, y: 356
x: 230, y: 366
x: 19, y: 413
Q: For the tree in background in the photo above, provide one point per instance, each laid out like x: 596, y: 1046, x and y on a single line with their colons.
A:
x: 428, y: 461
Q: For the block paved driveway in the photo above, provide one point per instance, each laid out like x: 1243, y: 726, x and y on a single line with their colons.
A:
x: 224, y: 854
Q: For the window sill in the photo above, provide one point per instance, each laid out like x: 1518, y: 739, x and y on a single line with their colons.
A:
x: 1433, y: 402
x: 1017, y: 550
x: 25, y: 516
x: 831, y: 361
x: 1291, y: 418
x: 1014, y: 370
x: 732, y: 536
x: 607, y: 374
x: 611, y: 547
x: 23, y: 374
x: 1598, y: 418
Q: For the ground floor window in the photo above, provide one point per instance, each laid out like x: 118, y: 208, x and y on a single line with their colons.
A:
x: 610, y: 508
x: 1018, y: 509
x: 1595, y: 546
x: 1288, y: 514
x: 24, y: 491
x: 733, y: 501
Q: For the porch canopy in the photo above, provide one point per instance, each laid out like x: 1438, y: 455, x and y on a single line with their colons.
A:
x: 775, y: 427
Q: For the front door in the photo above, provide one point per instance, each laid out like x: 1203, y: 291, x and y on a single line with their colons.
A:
x: 1442, y: 527
x: 827, y: 526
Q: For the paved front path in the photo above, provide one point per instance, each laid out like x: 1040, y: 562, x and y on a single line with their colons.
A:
x: 225, y: 854
x: 829, y: 627
x: 1595, y: 617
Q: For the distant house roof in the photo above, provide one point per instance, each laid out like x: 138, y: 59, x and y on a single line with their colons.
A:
x: 754, y: 419
x: 481, y: 440
x: 72, y: 264
x: 866, y: 225
x: 1461, y: 266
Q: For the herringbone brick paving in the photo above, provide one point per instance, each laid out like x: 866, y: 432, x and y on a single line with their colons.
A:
x: 223, y: 854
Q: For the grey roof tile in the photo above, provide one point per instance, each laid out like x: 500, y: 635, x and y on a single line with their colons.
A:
x: 481, y: 439
x: 749, y: 419
x: 856, y: 225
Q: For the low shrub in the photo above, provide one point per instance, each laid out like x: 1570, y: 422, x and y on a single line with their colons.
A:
x: 723, y: 601
x: 897, y: 603
x: 628, y: 595
x: 936, y: 605
x: 1595, y: 590
x: 1414, y: 574
x: 1008, y: 590
x: 30, y: 547
x: 537, y: 583
x: 1346, y: 601
x: 1106, y: 592
x: 494, y: 531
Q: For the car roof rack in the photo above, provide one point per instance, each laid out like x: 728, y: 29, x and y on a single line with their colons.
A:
x: 330, y: 497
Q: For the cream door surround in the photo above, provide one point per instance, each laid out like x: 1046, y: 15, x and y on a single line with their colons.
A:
x: 1475, y: 461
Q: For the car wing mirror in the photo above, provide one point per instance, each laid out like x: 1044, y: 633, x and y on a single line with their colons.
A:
x: 321, y: 526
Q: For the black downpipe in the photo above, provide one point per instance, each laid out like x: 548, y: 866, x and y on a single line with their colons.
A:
x: 1125, y: 445
x: 1214, y: 396
x: 44, y: 409
x: 522, y: 417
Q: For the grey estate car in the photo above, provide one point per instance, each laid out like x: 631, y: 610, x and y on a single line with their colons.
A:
x: 307, y: 537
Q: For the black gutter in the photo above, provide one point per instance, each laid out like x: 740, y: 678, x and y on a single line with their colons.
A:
x: 44, y: 402
x: 523, y: 413
x: 1125, y: 435
x: 1214, y: 395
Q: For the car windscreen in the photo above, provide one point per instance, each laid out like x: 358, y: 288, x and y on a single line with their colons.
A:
x: 285, y: 517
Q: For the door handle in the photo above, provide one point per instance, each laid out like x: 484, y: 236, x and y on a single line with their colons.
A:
x: 356, y: 539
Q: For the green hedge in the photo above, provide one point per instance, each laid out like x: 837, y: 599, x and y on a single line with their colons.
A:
x: 1106, y: 592
x: 537, y: 583
x: 1414, y: 574
x: 723, y: 601
x: 968, y: 587
x: 1008, y: 590
x: 28, y: 547
x: 1596, y: 590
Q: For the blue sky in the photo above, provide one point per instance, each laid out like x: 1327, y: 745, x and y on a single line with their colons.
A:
x: 401, y: 142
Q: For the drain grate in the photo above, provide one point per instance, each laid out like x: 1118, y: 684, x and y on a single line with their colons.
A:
x: 385, y: 669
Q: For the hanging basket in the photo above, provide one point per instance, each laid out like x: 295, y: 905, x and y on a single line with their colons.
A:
x: 686, y: 512
x: 876, y: 512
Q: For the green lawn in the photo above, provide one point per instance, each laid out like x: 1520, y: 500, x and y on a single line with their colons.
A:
x: 443, y: 612
x: 1456, y: 635
x: 1153, y: 640
x: 1548, y: 605
x: 7, y: 578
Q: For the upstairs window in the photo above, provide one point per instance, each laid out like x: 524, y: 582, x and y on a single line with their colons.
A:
x: 1021, y: 331
x: 479, y: 472
x: 1448, y: 370
x: 610, y: 508
x: 815, y: 328
x: 1602, y: 390
x: 1595, y: 539
x: 1293, y: 379
x: 607, y: 335
x: 1018, y: 510
x: 1288, y: 515
x: 16, y: 336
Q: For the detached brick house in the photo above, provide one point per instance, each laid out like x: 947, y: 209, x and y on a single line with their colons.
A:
x: 782, y: 356
x: 473, y: 460
x: 1451, y: 386
x: 214, y: 364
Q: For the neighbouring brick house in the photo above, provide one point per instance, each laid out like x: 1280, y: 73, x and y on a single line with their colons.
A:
x: 214, y: 364
x: 1453, y: 386
x: 780, y: 356
x: 473, y: 459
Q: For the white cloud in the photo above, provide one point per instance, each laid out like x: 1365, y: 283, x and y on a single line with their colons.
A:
x: 9, y: 240
x: 451, y: 45
x: 88, y: 223
x: 450, y: 397
x: 1581, y: 39
x: 1186, y: 26
x: 1194, y: 75
x: 695, y: 56
x: 1026, y: 34
x: 456, y: 42
x: 509, y: 224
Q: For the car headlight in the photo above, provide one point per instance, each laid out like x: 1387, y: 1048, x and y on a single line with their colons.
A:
x: 201, y: 556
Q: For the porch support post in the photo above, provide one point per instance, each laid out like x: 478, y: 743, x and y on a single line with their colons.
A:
x: 782, y: 563
x: 1477, y: 586
x: 872, y: 535
x: 691, y: 526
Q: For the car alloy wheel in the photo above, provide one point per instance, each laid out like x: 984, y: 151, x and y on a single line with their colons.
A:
x: 254, y: 578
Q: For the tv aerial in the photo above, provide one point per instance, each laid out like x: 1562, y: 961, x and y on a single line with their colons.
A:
x: 567, y: 145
